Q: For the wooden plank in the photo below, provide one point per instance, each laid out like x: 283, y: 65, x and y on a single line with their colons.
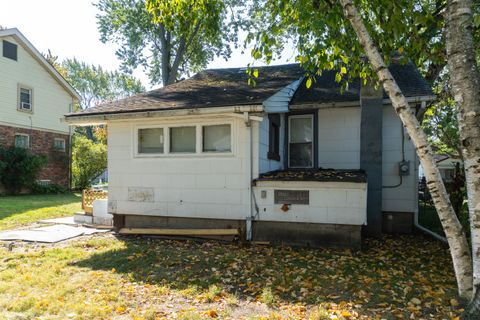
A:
x: 180, y: 232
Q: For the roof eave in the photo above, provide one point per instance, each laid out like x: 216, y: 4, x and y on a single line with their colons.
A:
x: 102, y: 118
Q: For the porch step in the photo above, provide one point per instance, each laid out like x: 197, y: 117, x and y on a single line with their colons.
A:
x: 82, y: 217
x: 180, y: 232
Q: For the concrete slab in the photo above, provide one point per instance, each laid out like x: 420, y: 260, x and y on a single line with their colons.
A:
x: 63, y: 220
x: 50, y: 234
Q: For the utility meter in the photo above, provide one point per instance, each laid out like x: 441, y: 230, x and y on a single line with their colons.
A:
x: 404, y: 168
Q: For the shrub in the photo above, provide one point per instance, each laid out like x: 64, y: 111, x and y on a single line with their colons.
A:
x: 89, y: 159
x: 48, y: 189
x: 19, y: 168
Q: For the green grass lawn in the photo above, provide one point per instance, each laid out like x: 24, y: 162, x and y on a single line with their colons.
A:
x: 17, y: 211
x: 105, y: 277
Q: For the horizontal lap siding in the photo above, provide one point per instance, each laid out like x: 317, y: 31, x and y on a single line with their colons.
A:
x: 402, y: 198
x: 193, y: 186
x: 339, y: 138
x: 50, y: 101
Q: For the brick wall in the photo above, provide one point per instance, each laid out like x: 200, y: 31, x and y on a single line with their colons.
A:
x: 42, y: 143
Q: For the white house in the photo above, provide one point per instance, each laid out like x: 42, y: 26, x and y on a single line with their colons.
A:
x: 34, y: 97
x: 281, y: 162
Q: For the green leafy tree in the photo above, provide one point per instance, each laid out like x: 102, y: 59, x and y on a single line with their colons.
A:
x: 340, y: 35
x: 89, y: 159
x: 19, y: 169
x: 169, y: 38
x: 96, y: 85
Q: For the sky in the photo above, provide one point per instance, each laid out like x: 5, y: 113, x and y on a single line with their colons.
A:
x: 68, y: 28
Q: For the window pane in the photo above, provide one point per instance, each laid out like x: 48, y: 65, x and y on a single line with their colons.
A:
x: 25, y: 95
x: 150, y: 140
x: 182, y: 139
x: 21, y: 141
x: 217, y: 138
x: 59, y: 144
x: 301, y: 155
x: 301, y: 129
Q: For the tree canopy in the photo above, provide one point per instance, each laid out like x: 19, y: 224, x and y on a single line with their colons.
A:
x: 169, y: 38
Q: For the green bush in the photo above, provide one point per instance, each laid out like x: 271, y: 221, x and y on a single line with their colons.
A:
x: 89, y: 159
x: 48, y: 189
x: 19, y: 168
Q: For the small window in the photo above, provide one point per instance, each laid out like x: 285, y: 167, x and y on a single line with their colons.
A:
x: 9, y: 50
x: 150, y: 140
x: 183, y: 139
x: 22, y: 141
x: 217, y: 138
x: 274, y: 137
x: 300, y: 139
x: 25, y: 99
x: 59, y: 144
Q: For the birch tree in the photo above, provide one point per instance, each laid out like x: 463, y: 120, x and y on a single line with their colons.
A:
x: 324, y: 33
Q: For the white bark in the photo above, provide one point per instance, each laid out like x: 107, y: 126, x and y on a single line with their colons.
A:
x: 457, y: 241
x: 465, y: 80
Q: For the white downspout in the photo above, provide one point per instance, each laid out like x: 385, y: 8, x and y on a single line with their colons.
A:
x: 249, y: 156
x: 415, y: 214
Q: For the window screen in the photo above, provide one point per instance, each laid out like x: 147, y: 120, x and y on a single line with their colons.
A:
x: 9, y: 50
x: 182, y: 139
x: 22, y: 141
x: 217, y: 138
x: 150, y: 140
x: 300, y: 142
x: 25, y: 99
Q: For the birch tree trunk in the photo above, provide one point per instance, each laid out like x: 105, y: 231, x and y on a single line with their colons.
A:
x: 465, y: 80
x: 457, y: 241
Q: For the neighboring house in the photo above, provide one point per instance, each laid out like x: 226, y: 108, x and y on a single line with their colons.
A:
x: 446, y: 165
x: 279, y: 161
x: 33, y: 99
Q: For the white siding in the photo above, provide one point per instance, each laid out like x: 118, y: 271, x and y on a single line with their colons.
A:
x: 207, y: 186
x: 339, y: 138
x: 50, y: 101
x: 402, y: 198
x: 329, y: 202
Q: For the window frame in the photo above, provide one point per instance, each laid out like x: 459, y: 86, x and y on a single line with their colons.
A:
x: 203, y: 138
x: 19, y: 100
x: 6, y: 42
x: 314, y: 117
x: 23, y: 135
x: 198, y: 143
x: 274, y: 126
x: 64, y: 144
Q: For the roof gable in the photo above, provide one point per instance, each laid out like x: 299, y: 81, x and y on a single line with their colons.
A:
x: 20, y: 38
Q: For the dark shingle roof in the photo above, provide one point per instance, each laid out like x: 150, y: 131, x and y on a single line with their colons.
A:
x: 325, y: 89
x: 314, y: 175
x: 228, y: 87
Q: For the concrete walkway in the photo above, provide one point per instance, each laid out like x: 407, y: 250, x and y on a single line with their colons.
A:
x: 60, y: 230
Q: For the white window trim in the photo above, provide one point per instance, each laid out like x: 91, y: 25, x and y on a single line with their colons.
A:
x: 64, y: 144
x: 313, y: 138
x: 22, y: 134
x: 19, y: 107
x: 198, y: 146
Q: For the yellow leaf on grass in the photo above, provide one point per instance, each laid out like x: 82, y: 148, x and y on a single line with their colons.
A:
x: 211, y: 313
x: 346, y: 314
x: 453, y: 302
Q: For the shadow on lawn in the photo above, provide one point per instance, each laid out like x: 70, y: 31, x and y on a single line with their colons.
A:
x: 20, y: 204
x: 390, y: 270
